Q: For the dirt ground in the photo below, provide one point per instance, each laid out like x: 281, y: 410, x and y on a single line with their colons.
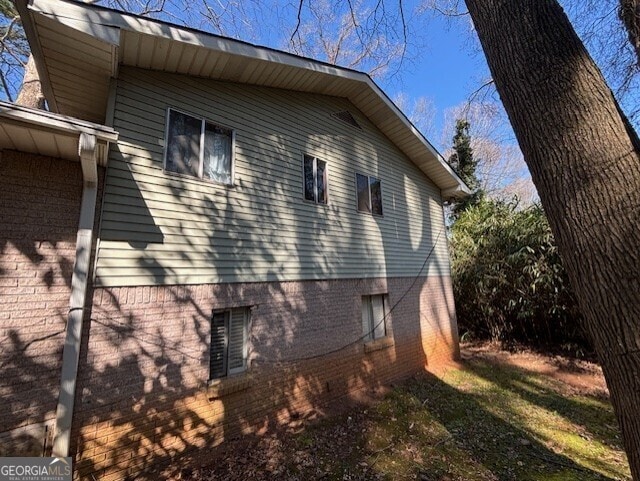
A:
x: 579, y: 376
x: 281, y: 455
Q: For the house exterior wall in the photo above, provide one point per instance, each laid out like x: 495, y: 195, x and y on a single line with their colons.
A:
x: 39, y: 212
x: 143, y: 393
x: 160, y: 229
x: 172, y: 249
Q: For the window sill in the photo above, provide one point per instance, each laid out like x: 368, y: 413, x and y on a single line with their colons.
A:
x: 379, y: 344
x: 313, y: 202
x: 218, y: 388
x: 200, y: 180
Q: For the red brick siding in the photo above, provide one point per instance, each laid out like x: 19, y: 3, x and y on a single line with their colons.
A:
x: 39, y: 211
x: 142, y: 389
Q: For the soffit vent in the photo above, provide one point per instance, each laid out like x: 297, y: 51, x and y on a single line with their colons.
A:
x: 347, y: 118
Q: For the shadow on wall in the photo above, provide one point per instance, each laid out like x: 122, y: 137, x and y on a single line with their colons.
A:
x: 143, y: 396
x: 39, y: 212
x: 149, y: 402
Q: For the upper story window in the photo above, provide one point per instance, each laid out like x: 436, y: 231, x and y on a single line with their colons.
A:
x: 198, y: 148
x: 369, y: 192
x: 315, y: 180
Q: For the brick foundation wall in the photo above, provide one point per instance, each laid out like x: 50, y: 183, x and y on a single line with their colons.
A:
x: 39, y: 212
x: 143, y: 394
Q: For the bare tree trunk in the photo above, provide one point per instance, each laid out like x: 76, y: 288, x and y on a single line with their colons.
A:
x: 31, y: 92
x: 629, y: 13
x: 584, y: 159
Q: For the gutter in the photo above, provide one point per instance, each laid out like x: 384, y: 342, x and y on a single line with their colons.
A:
x: 79, y: 282
x: 45, y: 120
x: 458, y: 192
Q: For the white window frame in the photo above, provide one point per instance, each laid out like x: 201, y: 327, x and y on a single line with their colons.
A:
x: 369, y: 322
x: 369, y: 177
x: 315, y: 180
x: 203, y: 124
x: 245, y: 345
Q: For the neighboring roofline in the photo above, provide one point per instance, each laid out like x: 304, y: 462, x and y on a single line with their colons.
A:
x: 110, y: 21
x: 53, y: 121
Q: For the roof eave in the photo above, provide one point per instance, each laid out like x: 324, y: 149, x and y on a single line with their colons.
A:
x: 28, y: 25
x: 46, y: 133
x: 107, y: 25
x: 53, y: 121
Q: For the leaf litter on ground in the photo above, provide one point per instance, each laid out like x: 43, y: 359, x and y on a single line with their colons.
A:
x: 495, y: 416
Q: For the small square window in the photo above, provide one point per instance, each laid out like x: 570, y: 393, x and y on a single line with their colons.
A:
x: 315, y: 180
x: 228, y: 351
x: 369, y: 194
x: 198, y: 148
x: 375, y: 311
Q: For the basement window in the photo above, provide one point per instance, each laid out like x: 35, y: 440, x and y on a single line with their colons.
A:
x: 375, y: 311
x: 198, y: 148
x: 229, y: 345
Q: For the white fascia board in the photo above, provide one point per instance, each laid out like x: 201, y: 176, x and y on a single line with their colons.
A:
x: 50, y: 120
x: 461, y: 187
x: 456, y: 193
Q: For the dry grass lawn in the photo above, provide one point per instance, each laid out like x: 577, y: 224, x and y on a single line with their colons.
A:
x: 497, y: 416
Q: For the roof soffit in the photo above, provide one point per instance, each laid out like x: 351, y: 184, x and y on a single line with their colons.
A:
x: 122, y: 31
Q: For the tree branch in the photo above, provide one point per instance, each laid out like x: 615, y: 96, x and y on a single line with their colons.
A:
x: 5, y: 86
x: 298, y: 22
x: 449, y: 13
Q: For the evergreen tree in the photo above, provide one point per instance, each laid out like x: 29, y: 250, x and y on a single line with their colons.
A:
x: 465, y: 165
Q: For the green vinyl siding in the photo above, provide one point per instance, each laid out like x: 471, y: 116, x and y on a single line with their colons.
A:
x: 159, y: 228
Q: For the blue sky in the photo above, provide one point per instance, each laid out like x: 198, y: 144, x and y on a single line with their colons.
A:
x: 440, y: 64
x: 445, y: 69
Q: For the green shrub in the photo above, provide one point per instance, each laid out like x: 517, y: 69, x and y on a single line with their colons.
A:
x: 508, y: 279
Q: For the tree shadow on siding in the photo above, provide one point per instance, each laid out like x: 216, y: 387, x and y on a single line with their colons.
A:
x: 143, y: 396
x: 39, y: 211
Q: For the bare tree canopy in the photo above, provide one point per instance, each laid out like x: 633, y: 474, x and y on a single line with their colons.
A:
x: 371, y: 36
x: 501, y: 171
x: 14, y: 50
x: 367, y: 36
x: 607, y: 30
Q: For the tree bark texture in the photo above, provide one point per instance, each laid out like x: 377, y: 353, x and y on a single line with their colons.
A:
x: 629, y: 14
x: 585, y: 163
x: 31, y: 92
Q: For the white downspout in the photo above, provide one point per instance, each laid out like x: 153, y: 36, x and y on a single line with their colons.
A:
x: 79, y: 282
